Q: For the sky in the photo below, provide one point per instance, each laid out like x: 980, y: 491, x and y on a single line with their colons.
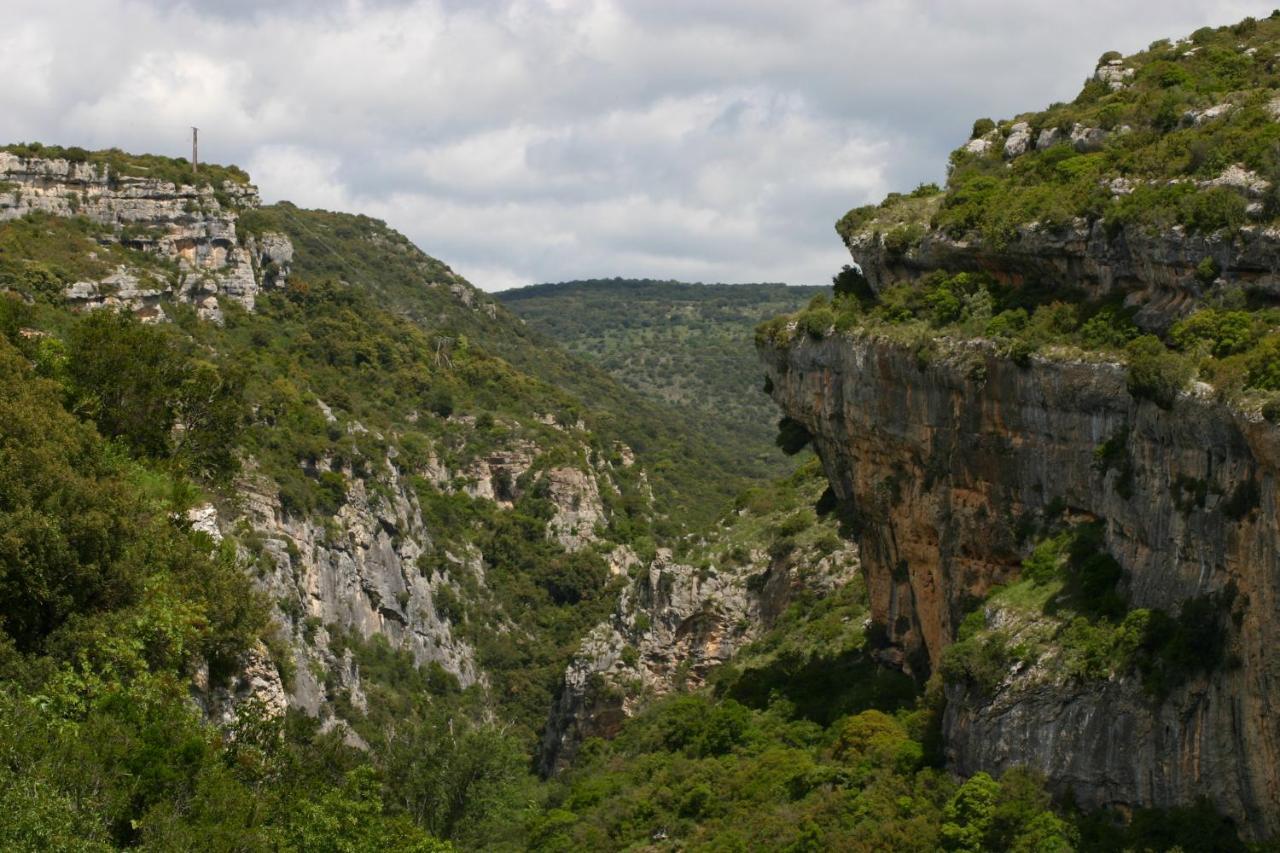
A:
x: 523, y: 141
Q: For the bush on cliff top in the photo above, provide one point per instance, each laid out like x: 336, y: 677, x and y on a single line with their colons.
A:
x: 1153, y: 134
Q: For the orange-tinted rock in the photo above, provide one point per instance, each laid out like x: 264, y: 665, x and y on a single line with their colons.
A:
x: 940, y: 467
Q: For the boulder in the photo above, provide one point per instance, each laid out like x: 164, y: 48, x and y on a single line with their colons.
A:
x: 1049, y: 137
x: 1019, y: 140
x: 1087, y: 140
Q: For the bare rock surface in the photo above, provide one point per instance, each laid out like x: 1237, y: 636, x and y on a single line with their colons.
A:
x: 940, y: 465
x: 673, y: 625
x: 192, y: 226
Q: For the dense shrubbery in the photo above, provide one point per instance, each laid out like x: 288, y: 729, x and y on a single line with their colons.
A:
x: 1233, y: 347
x: 108, y: 605
x: 715, y: 775
x: 1156, y: 373
x: 1151, y: 143
x: 140, y: 387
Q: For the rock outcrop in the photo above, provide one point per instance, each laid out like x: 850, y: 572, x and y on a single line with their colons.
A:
x: 255, y: 686
x: 579, y: 510
x: 941, y: 459
x: 1158, y: 272
x: 194, y: 227
x: 673, y: 625
x: 1114, y: 73
x: 359, y: 572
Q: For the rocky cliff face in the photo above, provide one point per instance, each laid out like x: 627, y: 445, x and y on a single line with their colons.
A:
x: 940, y: 461
x: 357, y: 571
x: 1160, y: 273
x: 673, y: 625
x: 356, y: 574
x: 360, y: 572
x: 194, y: 227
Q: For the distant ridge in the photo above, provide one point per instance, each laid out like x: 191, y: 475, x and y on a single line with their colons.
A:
x: 686, y: 344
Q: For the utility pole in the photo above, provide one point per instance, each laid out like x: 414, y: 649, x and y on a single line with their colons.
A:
x: 195, y: 150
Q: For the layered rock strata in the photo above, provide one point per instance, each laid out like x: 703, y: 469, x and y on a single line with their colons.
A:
x: 674, y: 624
x: 940, y: 461
x: 192, y: 226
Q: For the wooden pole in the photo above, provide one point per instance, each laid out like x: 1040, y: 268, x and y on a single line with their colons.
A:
x: 195, y: 150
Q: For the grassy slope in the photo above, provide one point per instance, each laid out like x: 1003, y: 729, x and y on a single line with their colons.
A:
x: 688, y: 345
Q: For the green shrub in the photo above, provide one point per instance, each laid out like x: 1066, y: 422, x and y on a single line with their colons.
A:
x: 1007, y: 323
x: 1207, y: 271
x: 981, y: 662
x: 902, y: 238
x: 1109, y: 328
x: 851, y: 282
x: 1155, y: 373
x: 1213, y: 209
x: 1264, y: 366
x: 1225, y: 332
x: 1113, y: 454
x: 816, y: 322
x: 1174, y: 649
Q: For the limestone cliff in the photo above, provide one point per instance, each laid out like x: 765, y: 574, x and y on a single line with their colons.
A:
x: 949, y: 437
x: 358, y: 570
x: 940, y: 460
x: 1156, y: 272
x: 678, y: 620
x: 193, y: 226
x: 361, y: 570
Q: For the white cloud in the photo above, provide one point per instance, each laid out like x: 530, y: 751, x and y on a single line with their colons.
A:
x: 529, y: 140
x: 291, y: 171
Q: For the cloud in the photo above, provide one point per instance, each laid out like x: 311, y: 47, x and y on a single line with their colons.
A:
x: 532, y: 140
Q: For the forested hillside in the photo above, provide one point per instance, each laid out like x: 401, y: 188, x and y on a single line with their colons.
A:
x: 684, y: 344
x: 284, y: 464
x: 307, y: 544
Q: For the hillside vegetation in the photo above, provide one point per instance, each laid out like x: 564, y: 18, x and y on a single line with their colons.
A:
x: 1160, y: 122
x: 373, y: 373
x: 688, y: 345
x: 1181, y: 139
x: 371, y: 355
x: 695, y: 473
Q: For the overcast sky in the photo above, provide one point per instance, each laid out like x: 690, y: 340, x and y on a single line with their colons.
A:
x: 543, y: 140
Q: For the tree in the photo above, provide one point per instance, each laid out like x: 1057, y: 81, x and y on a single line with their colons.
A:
x: 1155, y: 372
x: 125, y: 376
x: 970, y: 813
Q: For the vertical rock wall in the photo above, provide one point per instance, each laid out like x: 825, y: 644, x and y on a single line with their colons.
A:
x: 940, y: 466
